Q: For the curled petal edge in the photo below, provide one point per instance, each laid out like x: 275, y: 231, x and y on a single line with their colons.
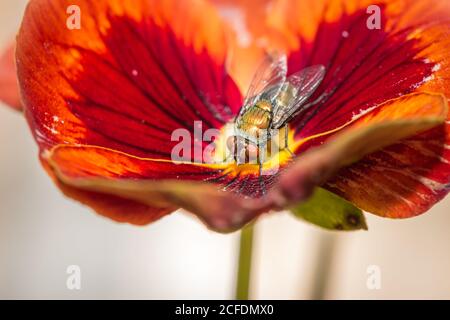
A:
x: 225, y: 212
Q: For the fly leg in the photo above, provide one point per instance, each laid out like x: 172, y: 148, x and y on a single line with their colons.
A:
x: 230, y: 157
x: 232, y: 149
x: 235, y: 146
x: 261, y: 159
x: 286, y: 140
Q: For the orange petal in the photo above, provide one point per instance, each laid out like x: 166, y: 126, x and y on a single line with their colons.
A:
x: 252, y: 13
x: 251, y: 35
x: 113, y: 207
x: 91, y: 171
x: 9, y: 90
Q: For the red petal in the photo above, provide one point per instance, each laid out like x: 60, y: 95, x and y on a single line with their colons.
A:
x: 364, y: 69
x: 403, y: 180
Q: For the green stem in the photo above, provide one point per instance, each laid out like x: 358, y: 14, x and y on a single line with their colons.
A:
x: 245, y: 263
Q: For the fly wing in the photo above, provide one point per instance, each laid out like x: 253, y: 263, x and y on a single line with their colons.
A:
x: 301, y: 85
x: 268, y: 80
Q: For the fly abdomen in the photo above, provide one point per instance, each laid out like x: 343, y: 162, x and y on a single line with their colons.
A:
x: 256, y: 118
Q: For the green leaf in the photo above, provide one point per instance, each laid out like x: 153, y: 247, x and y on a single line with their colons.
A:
x: 329, y: 211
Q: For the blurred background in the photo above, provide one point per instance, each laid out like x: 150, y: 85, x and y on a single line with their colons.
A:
x: 42, y: 233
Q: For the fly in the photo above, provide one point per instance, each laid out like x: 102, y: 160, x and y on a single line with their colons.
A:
x: 272, y: 101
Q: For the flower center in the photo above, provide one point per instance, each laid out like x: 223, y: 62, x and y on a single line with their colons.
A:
x: 246, y: 157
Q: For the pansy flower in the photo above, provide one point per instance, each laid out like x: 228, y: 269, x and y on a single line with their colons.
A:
x: 103, y: 102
